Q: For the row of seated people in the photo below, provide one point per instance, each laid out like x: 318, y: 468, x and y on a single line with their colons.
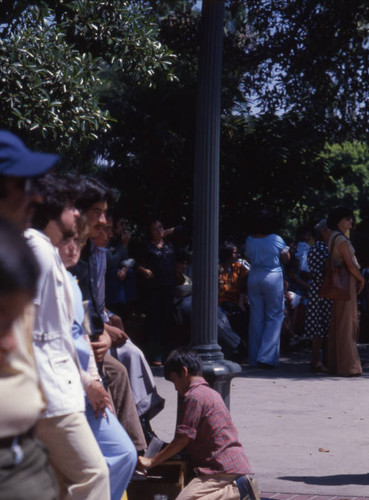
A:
x: 72, y: 378
x: 73, y: 386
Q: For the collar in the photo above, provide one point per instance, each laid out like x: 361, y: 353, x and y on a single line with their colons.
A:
x: 196, y: 383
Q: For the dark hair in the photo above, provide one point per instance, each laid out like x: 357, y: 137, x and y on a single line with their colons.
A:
x: 263, y: 222
x: 181, y: 357
x: 318, y: 228
x: 90, y: 191
x: 18, y: 266
x: 226, y: 252
x: 301, y: 232
x: 336, y: 215
x: 56, y: 193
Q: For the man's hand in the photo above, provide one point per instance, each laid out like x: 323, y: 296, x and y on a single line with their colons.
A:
x: 102, y: 346
x: 178, y: 444
x: 98, y: 397
x: 117, y: 335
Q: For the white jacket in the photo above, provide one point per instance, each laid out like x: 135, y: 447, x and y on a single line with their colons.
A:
x: 54, y: 349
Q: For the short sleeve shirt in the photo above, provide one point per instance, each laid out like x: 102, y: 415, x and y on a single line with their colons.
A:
x: 264, y: 253
x: 214, y: 447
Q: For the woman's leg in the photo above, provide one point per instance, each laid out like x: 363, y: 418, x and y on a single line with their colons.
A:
x: 273, y: 296
x: 257, y: 316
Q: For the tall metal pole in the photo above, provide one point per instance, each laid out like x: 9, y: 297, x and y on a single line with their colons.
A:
x: 206, y: 202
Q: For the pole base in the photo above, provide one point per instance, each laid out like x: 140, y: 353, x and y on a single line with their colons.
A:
x: 217, y: 371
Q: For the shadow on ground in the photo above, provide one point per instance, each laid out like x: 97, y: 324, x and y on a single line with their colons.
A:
x: 296, y: 365
x: 337, y: 480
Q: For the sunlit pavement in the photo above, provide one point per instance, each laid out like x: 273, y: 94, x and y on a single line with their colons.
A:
x: 306, y: 435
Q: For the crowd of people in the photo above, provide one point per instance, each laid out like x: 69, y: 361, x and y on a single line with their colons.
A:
x: 76, y: 393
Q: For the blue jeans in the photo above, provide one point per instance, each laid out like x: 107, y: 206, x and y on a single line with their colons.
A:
x: 266, y: 299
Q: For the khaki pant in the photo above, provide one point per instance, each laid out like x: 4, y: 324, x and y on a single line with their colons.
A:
x: 76, y: 457
x: 215, y: 487
x: 31, y: 476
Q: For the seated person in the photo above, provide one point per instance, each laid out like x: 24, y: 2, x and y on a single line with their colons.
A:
x: 117, y: 448
x: 232, y: 281
x: 147, y: 400
x: 233, y: 347
x: 205, y: 430
x: 25, y: 470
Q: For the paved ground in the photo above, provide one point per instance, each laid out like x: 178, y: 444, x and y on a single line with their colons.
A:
x: 306, y: 435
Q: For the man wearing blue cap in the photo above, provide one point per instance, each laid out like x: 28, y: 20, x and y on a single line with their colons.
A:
x: 18, y: 167
x: 24, y: 468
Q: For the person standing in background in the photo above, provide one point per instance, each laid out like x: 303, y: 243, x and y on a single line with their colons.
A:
x: 342, y: 353
x: 266, y: 252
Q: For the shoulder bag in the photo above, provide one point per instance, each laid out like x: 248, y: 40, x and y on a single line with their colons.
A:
x: 336, y: 279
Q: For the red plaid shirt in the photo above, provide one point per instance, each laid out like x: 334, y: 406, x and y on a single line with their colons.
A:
x: 214, y: 447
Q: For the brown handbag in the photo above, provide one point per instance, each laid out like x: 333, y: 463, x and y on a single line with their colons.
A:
x: 336, y: 280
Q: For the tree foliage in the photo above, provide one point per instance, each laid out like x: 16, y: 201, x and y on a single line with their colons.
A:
x: 115, y: 81
x: 311, y: 57
x: 53, y: 60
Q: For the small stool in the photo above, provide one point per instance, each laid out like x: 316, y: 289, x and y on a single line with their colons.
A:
x: 168, y: 478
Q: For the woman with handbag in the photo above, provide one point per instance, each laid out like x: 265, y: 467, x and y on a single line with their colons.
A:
x: 342, y: 354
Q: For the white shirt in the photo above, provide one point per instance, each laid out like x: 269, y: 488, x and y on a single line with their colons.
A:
x: 54, y: 349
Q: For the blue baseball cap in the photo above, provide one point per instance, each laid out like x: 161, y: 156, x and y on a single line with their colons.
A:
x: 16, y: 160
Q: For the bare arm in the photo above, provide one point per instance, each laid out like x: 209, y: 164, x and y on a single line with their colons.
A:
x: 178, y: 444
x: 344, y: 251
x: 145, y: 272
x: 285, y: 257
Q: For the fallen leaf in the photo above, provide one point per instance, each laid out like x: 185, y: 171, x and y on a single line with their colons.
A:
x: 323, y: 450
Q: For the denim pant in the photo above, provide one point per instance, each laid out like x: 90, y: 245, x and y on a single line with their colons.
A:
x: 117, y: 448
x: 266, y: 299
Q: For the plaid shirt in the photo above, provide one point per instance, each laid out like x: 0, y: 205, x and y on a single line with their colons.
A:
x: 214, y: 447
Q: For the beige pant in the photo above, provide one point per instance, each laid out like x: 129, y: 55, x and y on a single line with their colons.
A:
x: 216, y: 487
x: 76, y: 457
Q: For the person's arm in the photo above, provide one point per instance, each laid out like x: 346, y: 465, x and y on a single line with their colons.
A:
x: 147, y: 273
x: 344, y: 250
x: 101, y: 346
x: 117, y: 335
x: 98, y: 397
x: 285, y: 257
x: 178, y: 444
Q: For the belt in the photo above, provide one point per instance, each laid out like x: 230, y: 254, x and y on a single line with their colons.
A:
x: 7, y: 442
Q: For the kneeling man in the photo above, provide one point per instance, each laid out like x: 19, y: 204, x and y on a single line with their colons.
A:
x: 205, y: 430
